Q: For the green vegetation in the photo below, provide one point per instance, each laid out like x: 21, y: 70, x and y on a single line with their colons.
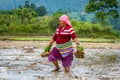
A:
x: 103, y: 9
x: 46, y: 25
x: 81, y: 48
x: 47, y: 48
x: 34, y: 21
x: 25, y: 38
x: 90, y: 30
x: 48, y: 38
x: 107, y: 58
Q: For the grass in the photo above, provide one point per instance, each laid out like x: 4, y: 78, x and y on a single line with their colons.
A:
x: 112, y: 58
x: 98, y: 40
x: 108, y: 58
x: 48, y: 38
x: 25, y: 38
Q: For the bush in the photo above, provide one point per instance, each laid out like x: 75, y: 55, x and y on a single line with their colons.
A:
x: 1, y: 29
x: 86, y: 29
x: 47, y: 25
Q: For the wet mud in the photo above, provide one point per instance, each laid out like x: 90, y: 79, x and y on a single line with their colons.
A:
x: 22, y: 61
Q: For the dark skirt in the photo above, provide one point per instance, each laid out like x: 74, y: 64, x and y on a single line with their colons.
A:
x: 55, y: 55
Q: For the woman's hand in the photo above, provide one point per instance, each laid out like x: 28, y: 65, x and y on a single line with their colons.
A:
x: 76, y: 41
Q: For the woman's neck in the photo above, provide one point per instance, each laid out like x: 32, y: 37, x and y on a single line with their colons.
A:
x: 63, y: 26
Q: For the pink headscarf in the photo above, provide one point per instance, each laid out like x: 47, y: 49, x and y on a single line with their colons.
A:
x: 65, y: 18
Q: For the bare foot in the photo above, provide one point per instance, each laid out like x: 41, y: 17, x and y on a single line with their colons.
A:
x: 56, y: 70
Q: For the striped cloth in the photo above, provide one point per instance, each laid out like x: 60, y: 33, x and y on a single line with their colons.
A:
x: 65, y: 49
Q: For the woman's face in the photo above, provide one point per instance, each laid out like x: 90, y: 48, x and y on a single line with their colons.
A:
x: 62, y: 23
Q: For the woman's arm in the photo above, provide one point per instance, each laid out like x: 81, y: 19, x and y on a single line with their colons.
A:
x: 76, y: 41
x: 53, y: 39
x: 51, y: 42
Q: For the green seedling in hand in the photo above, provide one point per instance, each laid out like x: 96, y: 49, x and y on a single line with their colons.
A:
x: 81, y: 48
x: 47, y: 48
x: 46, y: 51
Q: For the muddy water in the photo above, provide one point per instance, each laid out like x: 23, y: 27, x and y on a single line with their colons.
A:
x: 26, y: 64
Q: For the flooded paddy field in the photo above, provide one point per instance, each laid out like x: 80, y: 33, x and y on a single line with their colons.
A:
x: 21, y: 60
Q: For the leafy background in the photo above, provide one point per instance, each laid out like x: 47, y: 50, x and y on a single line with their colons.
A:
x: 41, y: 18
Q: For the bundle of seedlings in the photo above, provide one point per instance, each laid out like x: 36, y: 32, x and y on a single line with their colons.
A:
x: 79, y: 52
x: 46, y: 51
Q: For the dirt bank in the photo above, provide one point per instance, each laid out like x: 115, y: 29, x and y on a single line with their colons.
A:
x: 39, y: 44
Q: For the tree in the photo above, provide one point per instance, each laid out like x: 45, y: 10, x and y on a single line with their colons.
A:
x: 41, y: 11
x: 27, y: 4
x: 20, y: 7
x: 32, y: 6
x: 103, y: 9
x: 25, y: 14
x: 54, y: 22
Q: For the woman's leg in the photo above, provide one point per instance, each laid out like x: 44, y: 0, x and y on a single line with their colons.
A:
x: 53, y: 57
x: 56, y: 65
x: 67, y: 61
x: 67, y: 69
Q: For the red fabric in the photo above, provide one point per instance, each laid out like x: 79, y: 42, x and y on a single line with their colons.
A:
x: 64, y: 35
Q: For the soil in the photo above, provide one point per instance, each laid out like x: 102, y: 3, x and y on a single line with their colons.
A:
x: 38, y: 44
x: 21, y: 60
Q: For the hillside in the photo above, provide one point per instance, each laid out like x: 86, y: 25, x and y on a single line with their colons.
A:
x: 51, y: 5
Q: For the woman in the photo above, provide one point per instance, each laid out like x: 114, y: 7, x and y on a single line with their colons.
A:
x: 63, y: 50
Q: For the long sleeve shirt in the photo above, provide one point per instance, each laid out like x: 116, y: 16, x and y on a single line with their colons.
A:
x: 63, y: 35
